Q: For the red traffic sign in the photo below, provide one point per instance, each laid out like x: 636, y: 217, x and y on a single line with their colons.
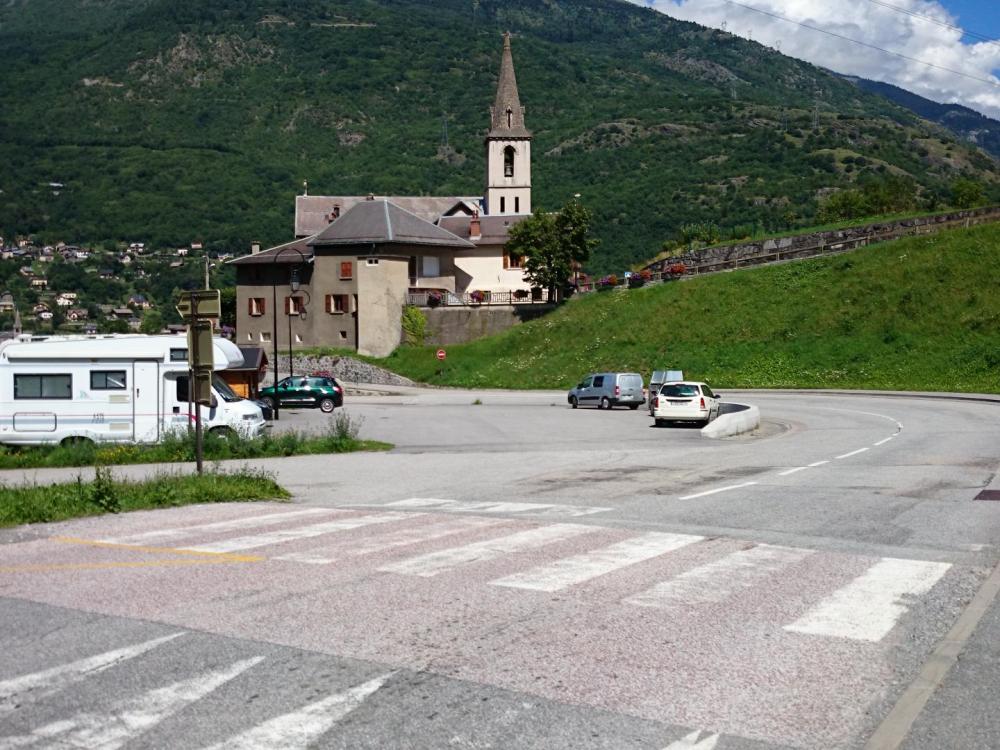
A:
x: 441, y: 354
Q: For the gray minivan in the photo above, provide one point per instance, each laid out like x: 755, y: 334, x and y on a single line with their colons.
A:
x: 608, y: 389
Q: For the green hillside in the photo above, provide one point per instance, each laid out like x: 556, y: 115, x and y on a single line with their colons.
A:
x: 167, y: 121
x: 914, y: 314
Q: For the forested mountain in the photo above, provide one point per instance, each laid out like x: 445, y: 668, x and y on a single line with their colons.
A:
x: 172, y: 120
x: 964, y: 122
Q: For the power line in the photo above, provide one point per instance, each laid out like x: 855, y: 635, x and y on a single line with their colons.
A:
x: 931, y: 19
x: 866, y: 44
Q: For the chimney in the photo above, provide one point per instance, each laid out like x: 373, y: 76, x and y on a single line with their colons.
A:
x: 255, y: 247
x: 475, y: 230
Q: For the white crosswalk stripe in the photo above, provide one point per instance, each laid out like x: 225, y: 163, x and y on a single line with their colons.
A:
x: 868, y: 607
x: 129, y: 718
x: 298, y: 729
x: 399, y: 538
x: 459, y: 506
x: 299, y: 532
x: 691, y: 742
x: 580, y: 568
x: 717, y: 580
x: 50, y: 681
x: 157, y: 536
x: 438, y: 562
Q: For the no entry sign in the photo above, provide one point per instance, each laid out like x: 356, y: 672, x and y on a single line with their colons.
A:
x: 441, y: 354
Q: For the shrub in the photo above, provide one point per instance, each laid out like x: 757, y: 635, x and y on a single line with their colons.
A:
x: 521, y: 294
x: 414, y: 324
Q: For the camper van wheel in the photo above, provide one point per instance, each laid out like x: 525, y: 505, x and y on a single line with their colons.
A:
x: 225, y: 433
x: 326, y: 405
x: 76, y: 440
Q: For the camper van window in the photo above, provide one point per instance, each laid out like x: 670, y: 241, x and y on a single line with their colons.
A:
x: 178, y: 355
x: 107, y: 380
x: 43, y: 386
x: 182, y: 388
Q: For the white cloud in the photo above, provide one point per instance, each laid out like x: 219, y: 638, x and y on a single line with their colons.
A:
x: 869, y: 23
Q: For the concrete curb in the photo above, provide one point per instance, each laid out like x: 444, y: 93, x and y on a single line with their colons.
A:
x: 734, y: 419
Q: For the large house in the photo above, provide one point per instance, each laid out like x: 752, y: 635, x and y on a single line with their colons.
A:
x: 355, y: 260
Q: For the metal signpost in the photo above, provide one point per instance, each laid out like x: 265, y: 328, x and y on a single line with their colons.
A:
x: 198, y: 307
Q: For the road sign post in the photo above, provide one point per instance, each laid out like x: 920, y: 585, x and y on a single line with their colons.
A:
x: 197, y: 307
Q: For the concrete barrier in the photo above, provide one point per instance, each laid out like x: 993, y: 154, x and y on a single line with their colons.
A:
x: 733, y: 419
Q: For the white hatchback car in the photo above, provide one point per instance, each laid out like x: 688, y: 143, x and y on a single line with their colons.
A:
x: 685, y: 401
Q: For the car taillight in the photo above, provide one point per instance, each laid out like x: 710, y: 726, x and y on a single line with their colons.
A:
x: 336, y: 389
x: 618, y: 390
x: 703, y: 403
x: 656, y: 402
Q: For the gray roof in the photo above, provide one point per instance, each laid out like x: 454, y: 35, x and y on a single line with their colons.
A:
x: 313, y: 212
x: 493, y: 229
x: 507, y: 114
x: 381, y: 222
x: 284, y: 253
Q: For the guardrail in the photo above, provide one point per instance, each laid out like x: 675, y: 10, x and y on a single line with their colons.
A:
x: 432, y: 298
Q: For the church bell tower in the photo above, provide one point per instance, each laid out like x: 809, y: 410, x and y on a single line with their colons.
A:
x: 508, y: 146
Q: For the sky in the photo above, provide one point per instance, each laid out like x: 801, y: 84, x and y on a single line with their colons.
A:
x: 960, y: 42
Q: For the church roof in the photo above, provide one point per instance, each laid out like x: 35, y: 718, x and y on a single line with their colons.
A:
x: 507, y: 114
x: 382, y: 222
x: 313, y: 213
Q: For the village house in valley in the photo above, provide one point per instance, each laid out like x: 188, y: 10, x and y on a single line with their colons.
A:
x: 357, y: 260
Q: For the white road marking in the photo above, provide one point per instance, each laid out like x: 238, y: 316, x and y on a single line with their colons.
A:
x: 437, y: 562
x: 129, y: 718
x: 885, y: 440
x: 690, y: 742
x: 868, y: 607
x: 299, y: 729
x: 717, y: 580
x: 459, y: 506
x: 720, y: 489
x: 817, y: 463
x: 232, y: 525
x: 300, y: 532
x: 400, y: 538
x: 579, y: 568
x: 852, y: 453
x: 50, y: 681
x: 792, y: 471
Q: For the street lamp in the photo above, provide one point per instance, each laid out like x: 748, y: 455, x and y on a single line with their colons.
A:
x: 274, y: 320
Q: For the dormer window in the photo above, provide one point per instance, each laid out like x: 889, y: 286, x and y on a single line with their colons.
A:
x: 508, y: 161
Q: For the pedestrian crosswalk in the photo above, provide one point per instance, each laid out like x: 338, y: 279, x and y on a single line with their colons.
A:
x: 412, y: 540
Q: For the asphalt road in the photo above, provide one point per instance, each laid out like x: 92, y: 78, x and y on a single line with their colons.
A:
x: 519, y: 574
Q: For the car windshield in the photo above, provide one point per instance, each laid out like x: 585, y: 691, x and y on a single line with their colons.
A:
x: 222, y: 388
x: 681, y: 390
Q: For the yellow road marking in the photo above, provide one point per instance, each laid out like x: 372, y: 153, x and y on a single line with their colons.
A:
x: 187, y: 557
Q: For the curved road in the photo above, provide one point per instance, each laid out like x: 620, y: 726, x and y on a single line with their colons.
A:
x: 519, y: 574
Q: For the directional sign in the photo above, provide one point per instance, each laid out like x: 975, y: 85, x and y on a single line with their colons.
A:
x: 441, y: 354
x: 204, y: 303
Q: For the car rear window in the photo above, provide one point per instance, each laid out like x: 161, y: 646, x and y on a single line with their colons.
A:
x: 679, y: 390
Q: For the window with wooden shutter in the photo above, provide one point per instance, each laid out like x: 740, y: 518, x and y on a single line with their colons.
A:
x: 256, y: 306
x: 336, y: 303
x: 346, y: 269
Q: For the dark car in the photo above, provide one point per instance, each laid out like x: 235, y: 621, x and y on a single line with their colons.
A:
x: 305, y: 390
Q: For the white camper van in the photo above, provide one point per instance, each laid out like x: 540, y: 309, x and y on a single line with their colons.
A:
x: 111, y: 389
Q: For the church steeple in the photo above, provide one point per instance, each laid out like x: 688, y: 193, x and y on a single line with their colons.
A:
x: 508, y: 146
x: 507, y: 114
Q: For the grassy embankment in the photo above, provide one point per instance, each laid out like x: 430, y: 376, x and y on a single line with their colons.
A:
x: 105, y: 494
x: 919, y: 313
x: 341, y: 436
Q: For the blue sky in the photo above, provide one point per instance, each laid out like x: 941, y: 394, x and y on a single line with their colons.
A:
x: 915, y: 44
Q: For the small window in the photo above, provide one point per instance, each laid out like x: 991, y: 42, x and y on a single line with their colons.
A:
x: 371, y: 261
x: 250, y: 337
x: 257, y: 306
x: 107, y: 380
x: 336, y: 303
x: 343, y: 335
x: 512, y: 261
x: 294, y: 305
x: 517, y: 205
x: 43, y: 386
x: 265, y: 336
x: 182, y: 388
x: 178, y: 355
x: 503, y: 204
x: 346, y: 269
x: 508, y: 161
x: 432, y: 265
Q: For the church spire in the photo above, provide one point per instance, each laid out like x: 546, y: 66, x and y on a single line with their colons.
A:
x: 507, y: 114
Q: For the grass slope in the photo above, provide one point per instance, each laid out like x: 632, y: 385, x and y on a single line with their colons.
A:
x: 914, y: 314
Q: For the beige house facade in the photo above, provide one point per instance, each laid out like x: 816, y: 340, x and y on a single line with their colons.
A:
x: 356, y: 261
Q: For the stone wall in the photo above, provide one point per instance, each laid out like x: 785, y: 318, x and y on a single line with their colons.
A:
x: 457, y: 325
x: 722, y: 257
x: 345, y: 369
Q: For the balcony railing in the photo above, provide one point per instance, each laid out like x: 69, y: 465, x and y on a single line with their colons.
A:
x: 476, y: 299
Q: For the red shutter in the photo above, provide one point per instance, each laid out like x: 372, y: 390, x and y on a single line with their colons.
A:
x: 249, y: 305
x: 288, y: 305
x: 346, y: 269
x: 506, y: 260
x: 263, y: 305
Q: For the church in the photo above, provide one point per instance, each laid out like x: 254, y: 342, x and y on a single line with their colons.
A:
x: 357, y: 260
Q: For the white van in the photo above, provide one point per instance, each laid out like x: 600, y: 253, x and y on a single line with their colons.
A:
x: 127, y: 388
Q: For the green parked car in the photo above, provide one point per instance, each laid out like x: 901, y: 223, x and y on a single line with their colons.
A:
x: 305, y: 390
